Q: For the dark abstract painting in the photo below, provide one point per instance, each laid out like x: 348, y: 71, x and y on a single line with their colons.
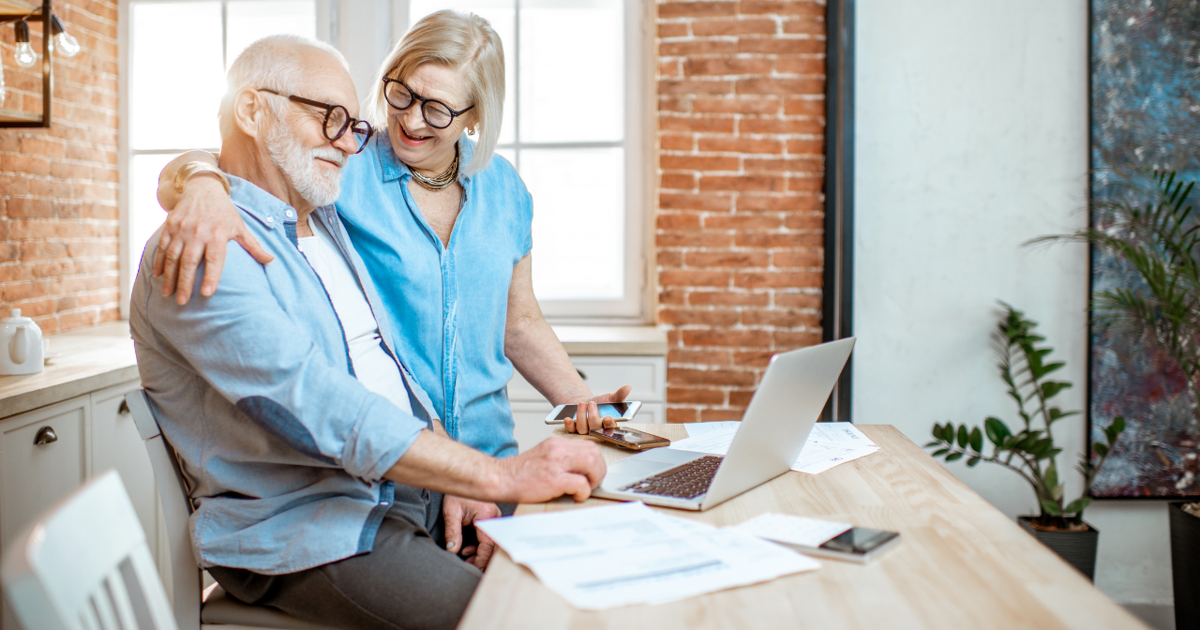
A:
x: 1145, y: 100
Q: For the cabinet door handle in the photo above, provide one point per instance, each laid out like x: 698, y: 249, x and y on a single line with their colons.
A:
x: 45, y: 436
x: 123, y: 409
x: 581, y: 374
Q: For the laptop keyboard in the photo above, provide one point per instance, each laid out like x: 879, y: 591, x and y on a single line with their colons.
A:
x: 687, y: 481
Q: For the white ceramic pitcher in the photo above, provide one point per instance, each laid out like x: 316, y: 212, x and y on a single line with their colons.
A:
x: 20, y: 345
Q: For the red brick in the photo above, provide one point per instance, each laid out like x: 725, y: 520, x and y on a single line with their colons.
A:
x: 678, y: 221
x: 781, y: 7
x: 805, y: 221
x: 701, y: 124
x: 810, y: 147
x: 737, y: 105
x: 672, y: 10
x: 696, y: 395
x: 795, y: 165
x: 686, y: 317
x: 740, y: 183
x: 697, y: 86
x: 669, y: 68
x: 798, y: 300
x: 738, y: 298
x: 666, y: 29
x: 671, y: 297
x: 815, y: 28
x: 691, y: 278
x: 675, y: 141
x: 28, y: 164
x: 781, y: 319
x: 740, y: 145
x: 697, y: 163
x: 804, y: 107
x: 742, y: 222
x: 680, y: 104
x: 806, y: 183
x: 669, y: 258
x: 24, y: 207
x: 725, y: 66
x: 689, y: 356
x: 709, y: 377
x: 721, y: 415
x: 777, y: 46
x: 763, y: 279
x: 727, y: 259
x: 677, y: 181
x: 704, y: 201
x: 800, y: 65
x: 797, y: 258
x: 726, y: 338
x: 806, y: 126
x: 699, y: 47
x: 780, y: 86
x: 720, y: 27
x: 741, y: 397
x: 682, y: 414
x: 788, y: 339
x: 693, y: 239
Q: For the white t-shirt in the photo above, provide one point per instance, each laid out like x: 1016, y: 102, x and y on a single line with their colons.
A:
x: 375, y: 369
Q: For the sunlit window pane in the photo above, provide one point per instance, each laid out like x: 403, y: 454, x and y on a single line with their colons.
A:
x: 578, y: 222
x: 145, y: 215
x: 176, y: 78
x: 251, y: 20
x: 501, y: 14
x: 572, y: 71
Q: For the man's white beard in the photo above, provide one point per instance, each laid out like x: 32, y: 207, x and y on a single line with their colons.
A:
x: 299, y: 165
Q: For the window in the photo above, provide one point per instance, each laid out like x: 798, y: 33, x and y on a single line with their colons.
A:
x: 572, y: 116
x: 178, y: 53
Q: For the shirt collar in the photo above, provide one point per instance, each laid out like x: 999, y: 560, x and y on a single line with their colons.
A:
x: 392, y: 168
x: 260, y: 204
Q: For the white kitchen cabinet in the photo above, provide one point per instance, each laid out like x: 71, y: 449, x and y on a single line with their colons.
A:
x: 48, y: 452
x: 646, y: 374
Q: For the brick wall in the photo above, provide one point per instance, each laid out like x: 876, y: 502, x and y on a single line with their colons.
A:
x: 739, y: 228
x: 58, y: 186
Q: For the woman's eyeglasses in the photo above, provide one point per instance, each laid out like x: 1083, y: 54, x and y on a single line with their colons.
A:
x: 337, y: 121
x: 436, y: 113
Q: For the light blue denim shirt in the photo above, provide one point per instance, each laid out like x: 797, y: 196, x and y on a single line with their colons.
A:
x: 451, y: 302
x: 283, y: 448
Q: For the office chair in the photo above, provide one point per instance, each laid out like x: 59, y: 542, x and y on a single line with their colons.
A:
x: 217, y: 611
x: 84, y: 565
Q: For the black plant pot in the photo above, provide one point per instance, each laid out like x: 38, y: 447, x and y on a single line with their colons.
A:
x: 1077, y: 548
x: 1185, y: 566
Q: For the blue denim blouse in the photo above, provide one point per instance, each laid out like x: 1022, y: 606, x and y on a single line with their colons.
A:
x: 449, y: 304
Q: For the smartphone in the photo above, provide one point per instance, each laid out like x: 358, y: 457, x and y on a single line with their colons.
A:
x: 629, y: 438
x: 857, y: 544
x: 620, y: 412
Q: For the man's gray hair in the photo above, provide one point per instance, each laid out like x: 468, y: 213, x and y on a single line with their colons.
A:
x: 271, y: 63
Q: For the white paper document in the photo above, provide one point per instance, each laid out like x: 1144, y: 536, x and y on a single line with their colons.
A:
x: 807, y: 532
x: 829, y: 444
x: 606, y: 557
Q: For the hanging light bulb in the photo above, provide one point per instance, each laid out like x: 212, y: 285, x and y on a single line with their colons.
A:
x: 25, y: 55
x: 67, y: 44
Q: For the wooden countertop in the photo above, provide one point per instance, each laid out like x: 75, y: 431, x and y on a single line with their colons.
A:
x: 89, y: 359
x: 960, y: 563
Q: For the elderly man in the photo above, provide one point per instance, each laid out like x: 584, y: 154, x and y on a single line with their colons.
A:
x: 318, y: 470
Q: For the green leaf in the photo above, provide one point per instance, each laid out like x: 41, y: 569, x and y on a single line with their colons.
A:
x: 932, y: 444
x: 1119, y: 424
x: 1101, y: 449
x: 971, y: 462
x: 1050, y: 389
x: 1051, y: 475
x: 940, y: 452
x: 954, y: 457
x: 996, y: 430
x: 976, y: 439
x: 963, y: 436
x: 1050, y: 507
x: 1077, y: 505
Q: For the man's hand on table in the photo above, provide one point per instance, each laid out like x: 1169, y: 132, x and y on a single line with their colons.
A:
x: 459, y: 513
x: 555, y: 467
x: 587, y: 416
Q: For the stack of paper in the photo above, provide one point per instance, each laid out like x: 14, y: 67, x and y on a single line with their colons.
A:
x: 829, y: 444
x: 625, y: 554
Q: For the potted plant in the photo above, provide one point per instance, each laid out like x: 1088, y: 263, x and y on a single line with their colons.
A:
x: 1030, y: 450
x: 1148, y: 223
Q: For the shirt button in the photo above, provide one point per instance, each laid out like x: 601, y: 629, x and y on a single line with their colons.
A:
x: 287, y: 213
x: 383, y: 503
x: 270, y: 219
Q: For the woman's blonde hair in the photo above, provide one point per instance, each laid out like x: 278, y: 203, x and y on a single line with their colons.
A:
x: 462, y: 42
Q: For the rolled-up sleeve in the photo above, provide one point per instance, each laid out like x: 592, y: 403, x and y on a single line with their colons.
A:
x: 266, y: 361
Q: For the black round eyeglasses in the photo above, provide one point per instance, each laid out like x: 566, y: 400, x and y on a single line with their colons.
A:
x: 337, y: 120
x: 436, y: 113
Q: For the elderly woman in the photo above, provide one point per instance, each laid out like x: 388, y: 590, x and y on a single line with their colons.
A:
x: 443, y: 226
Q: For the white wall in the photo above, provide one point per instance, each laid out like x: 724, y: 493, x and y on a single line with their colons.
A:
x: 971, y: 138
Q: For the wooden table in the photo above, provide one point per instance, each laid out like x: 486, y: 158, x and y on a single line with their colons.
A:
x: 961, y: 564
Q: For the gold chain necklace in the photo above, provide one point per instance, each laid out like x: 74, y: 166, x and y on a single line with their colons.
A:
x: 441, y: 181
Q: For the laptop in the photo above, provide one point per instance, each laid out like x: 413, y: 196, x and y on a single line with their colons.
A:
x: 774, y: 428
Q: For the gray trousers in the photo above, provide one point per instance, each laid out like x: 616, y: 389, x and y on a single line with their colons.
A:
x: 408, y: 581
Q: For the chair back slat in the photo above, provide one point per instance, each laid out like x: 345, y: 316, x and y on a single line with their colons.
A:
x: 65, y: 572
x: 172, y: 492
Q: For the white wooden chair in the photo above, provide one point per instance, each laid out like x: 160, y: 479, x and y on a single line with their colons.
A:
x: 85, y: 566
x: 213, y: 610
